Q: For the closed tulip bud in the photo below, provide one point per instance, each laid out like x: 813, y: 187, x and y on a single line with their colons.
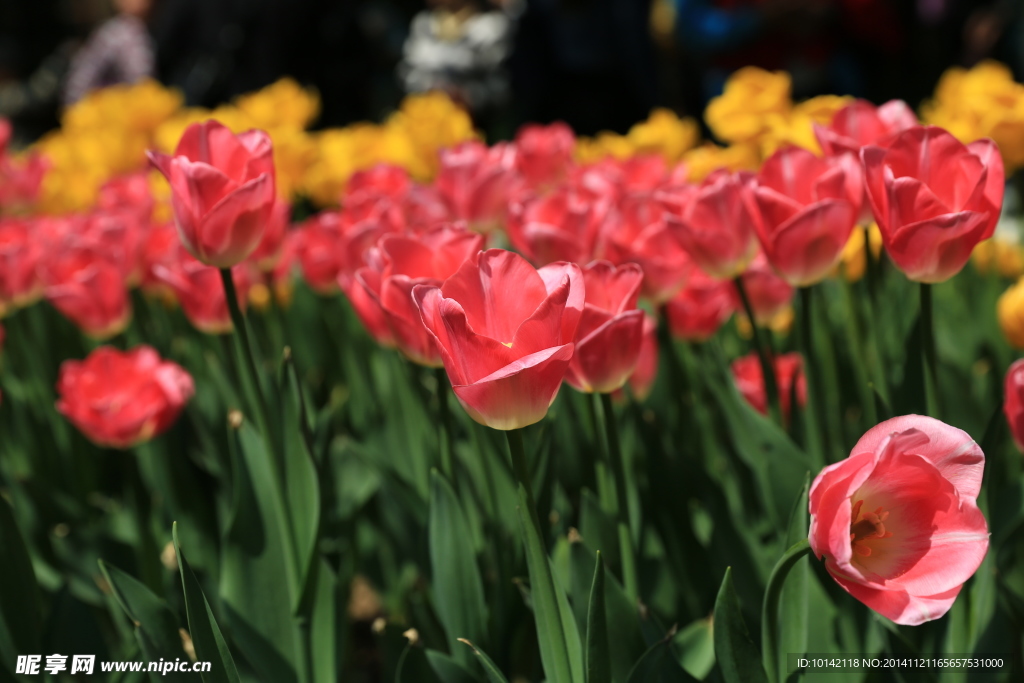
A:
x: 701, y: 308
x: 610, y: 332
x: 639, y: 234
x: 897, y: 522
x: 1013, y: 402
x: 505, y: 333
x: 89, y: 288
x: 200, y: 292
x: 805, y: 208
x: 222, y: 191
x: 861, y: 123
x: 122, y: 398
x: 544, y: 153
x: 934, y: 199
x: 713, y: 223
x: 402, y: 263
x: 564, y: 225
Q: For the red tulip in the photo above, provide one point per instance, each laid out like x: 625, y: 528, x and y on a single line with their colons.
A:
x: 385, y: 180
x: 88, y: 287
x: 128, y: 192
x: 934, y: 199
x: 505, y: 332
x: 317, y: 250
x: 222, y: 191
x: 613, y: 177
x: 20, y: 181
x: 159, y: 247
x: 402, y: 262
x: 562, y: 226
x: 639, y: 234
x: 118, y: 234
x: 269, y: 250
x: 1013, y: 401
x: 713, y: 223
x: 768, y: 293
x: 476, y: 181
x: 544, y: 153
x: 200, y: 291
x: 749, y: 379
x: 642, y: 380
x: 897, y: 522
x: 610, y: 332
x: 861, y: 123
x: 804, y: 209
x: 122, y: 398
x: 6, y: 131
x: 703, y: 306
x: 20, y: 252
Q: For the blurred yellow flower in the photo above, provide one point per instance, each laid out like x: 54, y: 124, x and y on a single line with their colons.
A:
x: 605, y: 144
x: 429, y: 122
x: 281, y: 104
x: 853, y: 261
x: 1010, y: 311
x: 1005, y: 257
x: 740, y: 113
x: 664, y: 133
x: 983, y: 101
x: 701, y: 161
x: 781, y: 323
x: 796, y: 127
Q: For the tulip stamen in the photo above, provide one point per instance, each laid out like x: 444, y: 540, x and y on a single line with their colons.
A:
x: 866, y: 527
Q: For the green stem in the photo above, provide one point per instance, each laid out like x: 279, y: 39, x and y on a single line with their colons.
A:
x: 770, y: 608
x: 248, y: 358
x: 447, y: 433
x: 550, y: 631
x: 815, y: 422
x: 614, y: 450
x: 931, y: 382
x: 771, y: 387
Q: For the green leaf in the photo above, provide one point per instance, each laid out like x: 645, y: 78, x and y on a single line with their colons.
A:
x: 494, y: 674
x: 794, y: 603
x: 695, y: 648
x: 737, y: 656
x: 19, y: 598
x: 599, y: 665
x: 448, y: 669
x: 458, y: 588
x: 206, y: 635
x: 156, y: 627
x: 597, y: 529
x: 657, y: 664
x: 257, y: 582
x: 414, y: 667
x: 556, y: 650
x: 324, y: 625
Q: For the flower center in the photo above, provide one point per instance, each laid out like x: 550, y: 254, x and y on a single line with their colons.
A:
x: 866, y: 526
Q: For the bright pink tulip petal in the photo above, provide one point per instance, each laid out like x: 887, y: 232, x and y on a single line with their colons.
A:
x: 605, y: 358
x: 806, y: 248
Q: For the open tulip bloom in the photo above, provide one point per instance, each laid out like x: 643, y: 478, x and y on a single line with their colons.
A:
x: 898, y: 523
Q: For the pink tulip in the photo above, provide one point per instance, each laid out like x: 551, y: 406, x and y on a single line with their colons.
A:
x: 564, y: 225
x: 200, y: 291
x: 544, y: 153
x: 1013, y: 401
x: 804, y: 209
x: 641, y: 382
x: 934, y: 199
x: 713, y: 223
x: 505, y: 333
x: 768, y: 293
x: 476, y: 182
x: 610, y: 332
x: 897, y: 522
x: 222, y: 191
x: 88, y: 287
x: 20, y: 253
x: 703, y: 306
x: 789, y: 371
x: 861, y: 123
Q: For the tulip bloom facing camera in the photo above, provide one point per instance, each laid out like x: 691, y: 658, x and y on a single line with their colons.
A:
x: 746, y: 372
x: 222, y: 191
x: 611, y: 330
x: 934, y: 199
x: 804, y: 209
x: 713, y: 224
x: 122, y: 398
x: 1013, y: 401
x: 505, y: 333
x: 397, y: 265
x: 897, y: 522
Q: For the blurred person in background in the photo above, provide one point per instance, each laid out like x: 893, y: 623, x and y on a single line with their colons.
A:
x: 120, y: 50
x: 589, y: 63
x: 460, y: 47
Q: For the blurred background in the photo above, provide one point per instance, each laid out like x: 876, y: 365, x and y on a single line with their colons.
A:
x: 595, y: 64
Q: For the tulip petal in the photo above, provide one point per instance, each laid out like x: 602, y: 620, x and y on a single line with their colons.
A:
x: 898, y: 605
x: 995, y: 180
x: 553, y: 276
x: 935, y: 250
x: 806, y: 248
x: 498, y: 291
x: 234, y: 227
x: 519, y: 394
x: 605, y: 358
x: 873, y: 162
x: 957, y: 457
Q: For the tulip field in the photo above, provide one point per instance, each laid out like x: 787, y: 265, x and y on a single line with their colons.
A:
x: 390, y: 403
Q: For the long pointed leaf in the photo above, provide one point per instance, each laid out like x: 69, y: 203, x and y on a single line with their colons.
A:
x: 737, y: 656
